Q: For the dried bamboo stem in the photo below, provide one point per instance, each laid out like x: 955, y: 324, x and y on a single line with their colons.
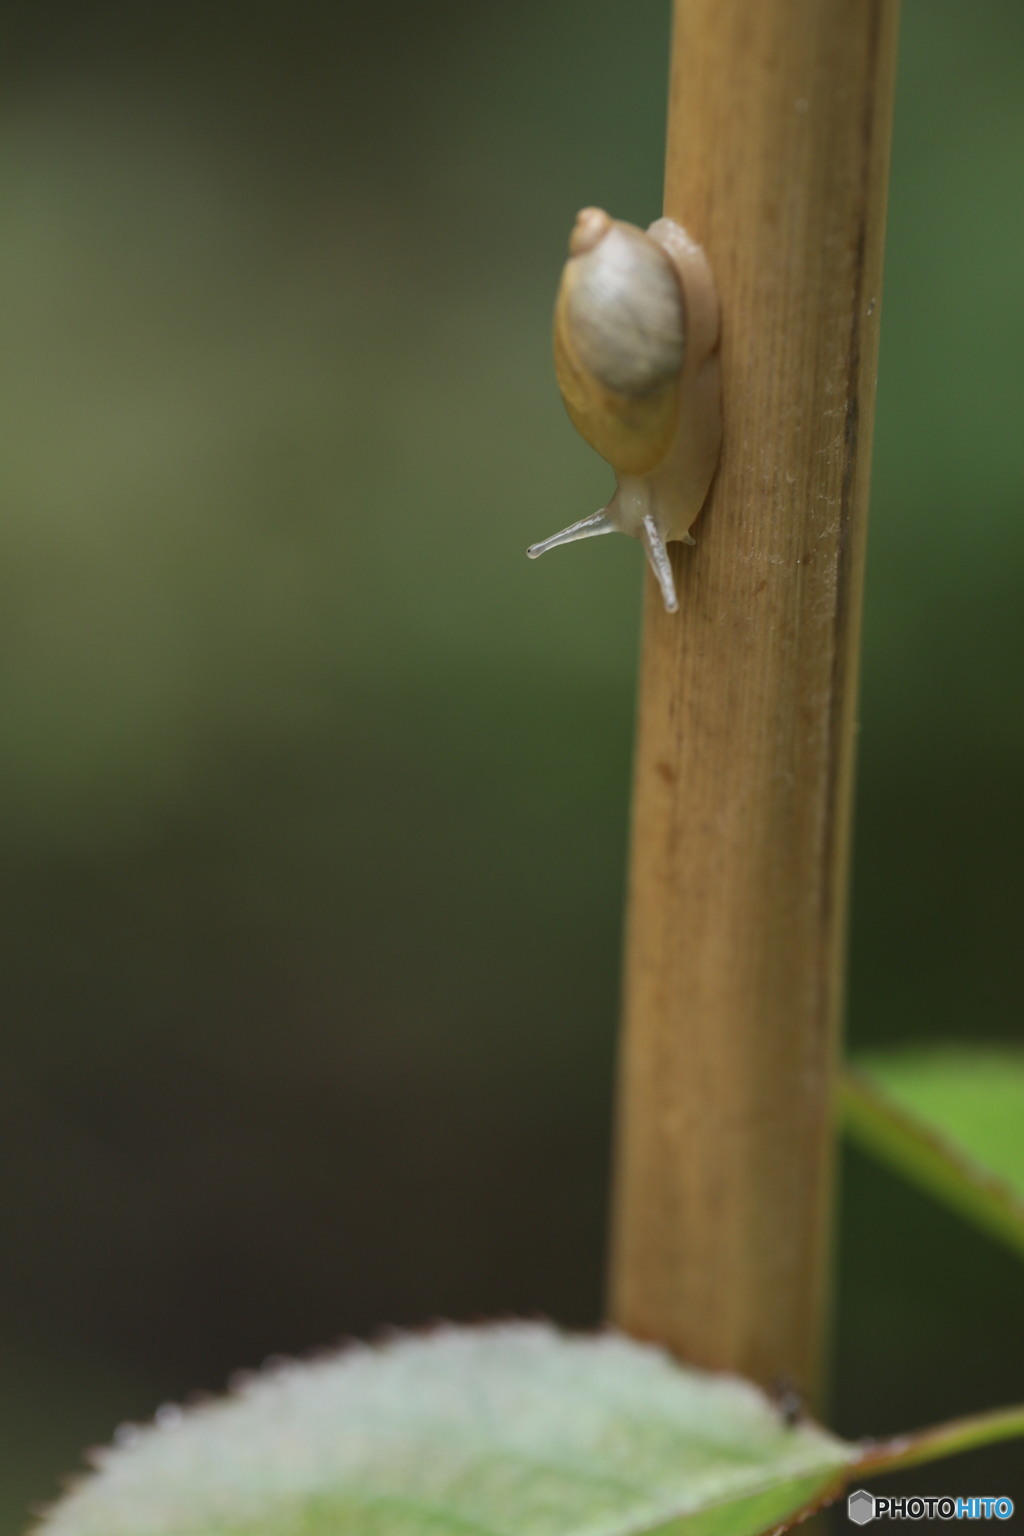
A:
x: 778, y: 153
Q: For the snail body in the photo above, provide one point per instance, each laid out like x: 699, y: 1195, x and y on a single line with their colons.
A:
x: 636, y: 357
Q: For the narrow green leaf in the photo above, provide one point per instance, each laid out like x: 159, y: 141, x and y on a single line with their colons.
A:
x: 951, y: 1120
x: 513, y: 1430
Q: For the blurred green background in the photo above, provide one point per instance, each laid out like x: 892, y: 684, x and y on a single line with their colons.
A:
x: 313, y: 791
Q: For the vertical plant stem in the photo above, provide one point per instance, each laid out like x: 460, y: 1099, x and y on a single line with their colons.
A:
x: 778, y: 152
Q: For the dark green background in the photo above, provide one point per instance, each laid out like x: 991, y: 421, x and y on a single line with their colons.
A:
x: 313, y: 791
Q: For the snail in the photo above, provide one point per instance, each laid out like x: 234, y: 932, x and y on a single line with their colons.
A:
x: 636, y: 357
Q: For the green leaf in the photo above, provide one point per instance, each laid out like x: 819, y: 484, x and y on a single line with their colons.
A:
x: 952, y: 1120
x: 514, y: 1430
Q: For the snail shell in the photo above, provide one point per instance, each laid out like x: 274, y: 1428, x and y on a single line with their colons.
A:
x: 620, y: 339
x: 636, y: 357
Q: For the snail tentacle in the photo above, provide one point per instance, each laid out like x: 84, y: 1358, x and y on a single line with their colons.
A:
x: 657, y: 555
x: 586, y: 528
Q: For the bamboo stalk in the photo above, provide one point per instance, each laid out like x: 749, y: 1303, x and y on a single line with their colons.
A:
x: 778, y: 150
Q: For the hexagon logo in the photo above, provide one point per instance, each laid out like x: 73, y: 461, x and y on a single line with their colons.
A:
x: 860, y: 1507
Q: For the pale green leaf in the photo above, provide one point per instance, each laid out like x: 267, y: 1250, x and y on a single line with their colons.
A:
x: 952, y: 1120
x: 513, y: 1430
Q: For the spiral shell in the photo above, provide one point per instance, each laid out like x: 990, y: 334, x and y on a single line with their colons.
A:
x: 620, y: 341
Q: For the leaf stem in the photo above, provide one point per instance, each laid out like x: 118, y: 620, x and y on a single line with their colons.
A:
x: 943, y: 1440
